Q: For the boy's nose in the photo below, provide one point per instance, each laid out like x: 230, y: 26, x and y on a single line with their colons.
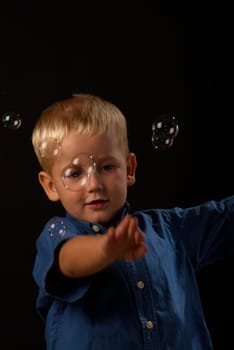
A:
x: 94, y: 181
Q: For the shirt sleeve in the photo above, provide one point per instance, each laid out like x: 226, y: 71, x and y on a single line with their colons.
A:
x: 207, y: 231
x: 48, y: 279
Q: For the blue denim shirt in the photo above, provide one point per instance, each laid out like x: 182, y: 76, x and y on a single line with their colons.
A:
x: 152, y: 303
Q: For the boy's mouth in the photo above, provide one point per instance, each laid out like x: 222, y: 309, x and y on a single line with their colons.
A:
x: 97, y: 203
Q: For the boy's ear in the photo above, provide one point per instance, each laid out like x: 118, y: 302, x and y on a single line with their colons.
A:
x: 48, y: 186
x: 131, y: 169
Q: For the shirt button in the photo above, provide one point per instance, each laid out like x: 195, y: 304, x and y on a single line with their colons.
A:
x: 149, y: 325
x: 95, y: 228
x: 140, y: 284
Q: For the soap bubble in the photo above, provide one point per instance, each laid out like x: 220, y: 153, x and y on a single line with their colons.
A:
x: 49, y: 148
x: 11, y: 120
x: 164, y: 130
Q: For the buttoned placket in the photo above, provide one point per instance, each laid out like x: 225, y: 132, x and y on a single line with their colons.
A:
x: 146, y: 308
x: 144, y: 300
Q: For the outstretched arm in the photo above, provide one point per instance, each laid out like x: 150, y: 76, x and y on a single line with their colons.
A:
x: 86, y: 255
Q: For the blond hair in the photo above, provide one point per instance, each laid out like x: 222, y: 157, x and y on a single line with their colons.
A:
x: 84, y: 113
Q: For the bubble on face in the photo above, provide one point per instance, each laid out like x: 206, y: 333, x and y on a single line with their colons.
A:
x: 49, y: 148
x: 164, y: 130
x: 78, y: 172
x: 11, y: 120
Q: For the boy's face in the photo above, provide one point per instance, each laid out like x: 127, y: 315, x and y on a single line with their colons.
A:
x: 100, y: 193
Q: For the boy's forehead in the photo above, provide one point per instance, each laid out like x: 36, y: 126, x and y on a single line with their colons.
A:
x: 74, y: 140
x: 99, y: 146
x: 96, y: 144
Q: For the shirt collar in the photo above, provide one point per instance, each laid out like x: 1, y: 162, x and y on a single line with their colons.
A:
x: 124, y: 211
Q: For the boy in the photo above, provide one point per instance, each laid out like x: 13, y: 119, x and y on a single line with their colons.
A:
x: 109, y: 278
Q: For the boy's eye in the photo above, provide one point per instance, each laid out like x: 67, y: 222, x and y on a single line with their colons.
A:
x: 72, y: 172
x: 108, y: 167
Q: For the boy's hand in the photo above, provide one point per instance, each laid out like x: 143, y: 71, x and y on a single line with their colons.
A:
x: 126, y: 241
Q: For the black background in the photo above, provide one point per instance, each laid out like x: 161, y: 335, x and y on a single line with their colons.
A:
x: 147, y: 64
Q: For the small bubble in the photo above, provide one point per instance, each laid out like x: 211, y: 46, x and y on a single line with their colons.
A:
x: 49, y: 148
x: 164, y: 130
x: 11, y: 120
